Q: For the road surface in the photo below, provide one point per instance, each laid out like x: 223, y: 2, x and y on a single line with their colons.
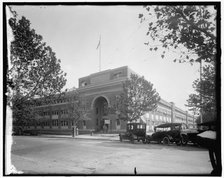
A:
x: 45, y: 155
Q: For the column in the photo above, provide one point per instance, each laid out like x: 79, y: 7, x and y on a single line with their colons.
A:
x: 172, y: 112
x: 59, y: 120
x: 187, y: 117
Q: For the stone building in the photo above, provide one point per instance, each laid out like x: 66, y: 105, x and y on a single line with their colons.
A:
x: 98, y: 91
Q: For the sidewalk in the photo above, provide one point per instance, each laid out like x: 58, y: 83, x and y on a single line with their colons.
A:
x: 111, y: 137
x: 99, y: 137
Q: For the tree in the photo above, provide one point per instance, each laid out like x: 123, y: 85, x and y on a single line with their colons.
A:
x: 34, y: 71
x: 205, y: 98
x: 138, y: 97
x: 76, y: 108
x: 189, y: 29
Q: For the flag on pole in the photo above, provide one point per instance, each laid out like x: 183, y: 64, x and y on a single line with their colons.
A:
x: 98, y: 44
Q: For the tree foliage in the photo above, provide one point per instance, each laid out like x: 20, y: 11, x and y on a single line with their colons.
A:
x: 138, y: 98
x: 189, y: 29
x: 76, y: 108
x: 205, y: 98
x: 35, y: 70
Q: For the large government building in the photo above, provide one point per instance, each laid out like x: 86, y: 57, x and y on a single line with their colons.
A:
x: 98, y: 91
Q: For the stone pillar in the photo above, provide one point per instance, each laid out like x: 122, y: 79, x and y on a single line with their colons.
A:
x: 187, y: 117
x: 59, y: 120
x: 172, y: 112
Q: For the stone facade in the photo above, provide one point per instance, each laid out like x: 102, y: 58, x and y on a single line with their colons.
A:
x: 103, y: 87
x: 98, y: 91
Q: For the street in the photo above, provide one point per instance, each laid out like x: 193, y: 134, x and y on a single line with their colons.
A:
x: 46, y: 155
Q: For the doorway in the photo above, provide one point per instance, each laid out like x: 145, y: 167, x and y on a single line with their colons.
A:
x: 101, y: 111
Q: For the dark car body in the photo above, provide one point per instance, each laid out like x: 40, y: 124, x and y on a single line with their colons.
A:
x: 135, y: 131
x: 171, y: 133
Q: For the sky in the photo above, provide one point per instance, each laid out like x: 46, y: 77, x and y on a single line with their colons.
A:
x: 73, y: 32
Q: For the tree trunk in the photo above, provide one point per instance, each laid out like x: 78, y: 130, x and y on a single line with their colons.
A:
x: 75, y: 131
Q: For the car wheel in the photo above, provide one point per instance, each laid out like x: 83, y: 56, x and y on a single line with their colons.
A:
x: 184, y: 140
x: 166, y: 141
x: 178, y: 143
x: 144, y: 141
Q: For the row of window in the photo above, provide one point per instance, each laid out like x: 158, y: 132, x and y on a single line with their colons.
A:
x: 161, y: 118
x: 56, y: 101
x: 48, y: 113
x: 164, y: 112
x: 56, y: 123
x: 180, y: 118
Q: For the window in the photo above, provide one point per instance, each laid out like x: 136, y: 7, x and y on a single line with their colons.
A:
x: 55, y: 122
x: 118, y: 122
x: 117, y: 75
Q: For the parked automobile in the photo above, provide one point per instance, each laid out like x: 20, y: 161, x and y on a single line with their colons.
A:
x: 135, y: 131
x: 172, y: 133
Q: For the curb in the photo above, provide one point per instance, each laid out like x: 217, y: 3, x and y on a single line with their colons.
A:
x: 82, y: 137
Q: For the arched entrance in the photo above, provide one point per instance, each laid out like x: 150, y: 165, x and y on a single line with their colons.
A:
x: 101, y: 112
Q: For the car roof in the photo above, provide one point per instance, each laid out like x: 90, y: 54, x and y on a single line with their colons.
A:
x: 168, y: 125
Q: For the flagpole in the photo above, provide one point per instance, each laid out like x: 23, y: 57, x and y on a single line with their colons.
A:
x: 99, y: 46
x: 100, y: 55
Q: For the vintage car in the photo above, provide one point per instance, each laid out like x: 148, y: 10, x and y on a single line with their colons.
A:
x: 135, y: 131
x: 172, y: 133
